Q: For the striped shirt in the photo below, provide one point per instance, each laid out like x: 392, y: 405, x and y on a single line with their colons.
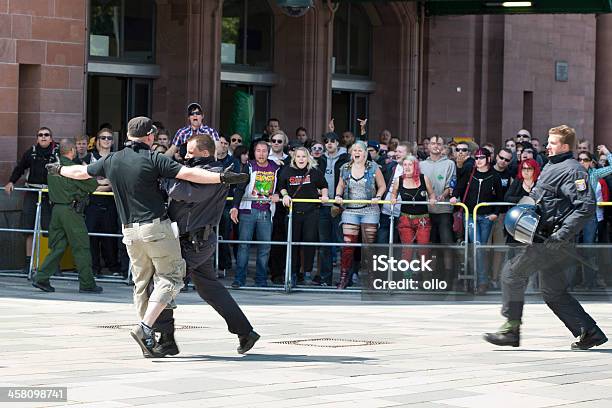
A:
x: 184, y: 133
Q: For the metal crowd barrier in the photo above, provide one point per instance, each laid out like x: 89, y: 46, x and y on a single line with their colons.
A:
x: 287, y: 287
x: 482, y: 246
x: 37, y: 233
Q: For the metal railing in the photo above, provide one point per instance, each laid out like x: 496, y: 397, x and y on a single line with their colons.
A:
x: 37, y: 232
x: 471, y: 274
x: 482, y: 246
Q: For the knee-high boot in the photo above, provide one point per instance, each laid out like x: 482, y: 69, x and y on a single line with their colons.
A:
x: 346, y: 261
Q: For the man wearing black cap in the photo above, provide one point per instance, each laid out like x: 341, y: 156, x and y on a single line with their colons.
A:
x: 328, y: 226
x: 195, y: 126
x: 152, y: 243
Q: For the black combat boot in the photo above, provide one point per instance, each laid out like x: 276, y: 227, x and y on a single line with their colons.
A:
x: 508, y: 335
x: 590, y: 338
x: 166, y: 346
x: 247, y: 342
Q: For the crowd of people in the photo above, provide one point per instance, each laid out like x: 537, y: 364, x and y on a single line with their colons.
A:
x: 421, y: 181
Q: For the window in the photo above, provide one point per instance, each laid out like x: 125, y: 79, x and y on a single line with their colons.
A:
x: 247, y: 22
x: 352, y: 40
x: 122, y: 30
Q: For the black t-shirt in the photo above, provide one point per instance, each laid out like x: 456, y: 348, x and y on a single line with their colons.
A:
x: 506, y: 180
x: 134, y: 174
x: 413, y: 194
x: 311, y: 180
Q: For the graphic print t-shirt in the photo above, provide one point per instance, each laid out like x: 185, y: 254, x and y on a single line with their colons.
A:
x: 310, y: 181
x: 265, y: 178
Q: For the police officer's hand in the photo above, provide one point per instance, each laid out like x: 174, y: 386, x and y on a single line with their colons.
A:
x: 53, y: 168
x: 229, y: 177
x: 9, y: 188
x: 234, y: 215
x: 554, y: 242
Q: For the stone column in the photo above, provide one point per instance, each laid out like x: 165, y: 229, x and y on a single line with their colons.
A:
x: 603, y: 81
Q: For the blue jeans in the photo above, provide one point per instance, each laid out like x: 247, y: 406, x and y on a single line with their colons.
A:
x: 328, y: 232
x: 259, y: 222
x: 384, y: 226
x: 484, y: 226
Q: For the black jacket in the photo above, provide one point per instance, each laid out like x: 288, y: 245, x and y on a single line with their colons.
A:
x: 563, y: 197
x: 194, y: 206
x: 515, y: 192
x: 485, y: 187
x: 35, y: 159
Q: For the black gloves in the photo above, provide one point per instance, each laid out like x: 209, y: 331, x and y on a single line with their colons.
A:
x: 229, y: 177
x: 554, y: 242
x: 53, y: 169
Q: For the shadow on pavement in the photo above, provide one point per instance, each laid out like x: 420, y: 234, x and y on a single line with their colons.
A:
x: 289, y: 358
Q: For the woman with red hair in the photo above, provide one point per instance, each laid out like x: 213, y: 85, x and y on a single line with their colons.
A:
x: 529, y: 171
x: 414, y: 223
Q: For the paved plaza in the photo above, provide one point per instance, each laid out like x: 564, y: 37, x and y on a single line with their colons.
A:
x: 317, y: 349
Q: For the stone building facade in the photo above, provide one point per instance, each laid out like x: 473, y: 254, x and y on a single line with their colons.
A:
x: 73, y: 65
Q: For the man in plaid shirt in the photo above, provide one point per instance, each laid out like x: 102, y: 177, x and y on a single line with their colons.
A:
x: 194, y: 115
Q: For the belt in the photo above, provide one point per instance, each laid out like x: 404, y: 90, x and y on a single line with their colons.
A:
x: 32, y: 185
x: 415, y: 216
x: 153, y: 221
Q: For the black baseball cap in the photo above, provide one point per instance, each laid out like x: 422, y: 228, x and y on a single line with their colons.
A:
x: 193, y: 106
x: 140, y: 126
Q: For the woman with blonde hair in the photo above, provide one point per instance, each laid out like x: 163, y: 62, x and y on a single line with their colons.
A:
x: 360, y: 179
x: 302, y: 179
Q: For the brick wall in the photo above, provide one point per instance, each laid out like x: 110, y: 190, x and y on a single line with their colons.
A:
x: 43, y: 41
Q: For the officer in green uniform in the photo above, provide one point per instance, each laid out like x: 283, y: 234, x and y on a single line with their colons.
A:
x: 68, y: 198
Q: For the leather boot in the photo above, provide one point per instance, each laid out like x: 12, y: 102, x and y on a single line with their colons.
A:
x: 166, y: 346
x: 346, y: 262
x: 508, y: 335
x: 590, y: 338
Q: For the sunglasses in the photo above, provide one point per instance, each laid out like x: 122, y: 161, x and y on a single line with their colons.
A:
x: 522, y: 136
x: 330, y: 141
x: 194, y: 113
x: 277, y: 141
x: 462, y: 149
x: 234, y: 140
x: 504, y: 159
x: 584, y: 160
x: 44, y: 135
x: 527, y: 168
x: 317, y: 149
x: 105, y: 138
x: 480, y: 157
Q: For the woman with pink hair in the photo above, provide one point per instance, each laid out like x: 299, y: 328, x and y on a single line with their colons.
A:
x: 414, y: 223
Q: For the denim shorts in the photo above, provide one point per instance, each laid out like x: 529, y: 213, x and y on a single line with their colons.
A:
x: 352, y: 218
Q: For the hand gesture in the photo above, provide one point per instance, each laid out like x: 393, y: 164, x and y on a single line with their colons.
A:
x: 362, y: 125
x: 453, y: 200
x: 324, y: 199
x: 330, y: 126
x: 602, y: 149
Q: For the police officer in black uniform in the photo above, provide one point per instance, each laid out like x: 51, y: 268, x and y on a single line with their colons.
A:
x: 151, y: 241
x: 34, y: 160
x: 565, y: 203
x: 197, y: 209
